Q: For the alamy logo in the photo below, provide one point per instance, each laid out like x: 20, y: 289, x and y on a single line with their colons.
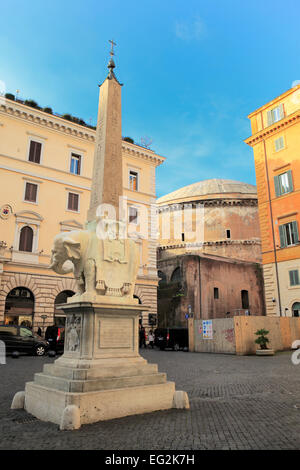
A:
x: 180, y: 220
x: 2, y: 353
x: 296, y: 354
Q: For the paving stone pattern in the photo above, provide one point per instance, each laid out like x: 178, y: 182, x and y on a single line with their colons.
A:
x: 237, y: 402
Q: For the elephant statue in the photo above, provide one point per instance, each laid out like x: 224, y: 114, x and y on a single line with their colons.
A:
x: 102, y: 267
x: 75, y: 246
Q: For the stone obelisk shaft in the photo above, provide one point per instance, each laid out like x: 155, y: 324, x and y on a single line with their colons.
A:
x: 107, y: 181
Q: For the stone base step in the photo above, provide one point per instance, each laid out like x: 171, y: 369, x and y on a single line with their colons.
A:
x: 100, y: 372
x: 50, y: 405
x: 105, y: 383
x: 109, y: 361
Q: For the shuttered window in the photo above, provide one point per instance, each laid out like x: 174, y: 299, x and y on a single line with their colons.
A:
x: 279, y: 144
x: 75, y: 164
x: 275, y: 114
x: 30, y: 192
x: 35, y: 151
x: 26, y: 239
x: 133, y: 180
x: 288, y: 234
x: 283, y: 183
x: 73, y: 202
x: 294, y: 277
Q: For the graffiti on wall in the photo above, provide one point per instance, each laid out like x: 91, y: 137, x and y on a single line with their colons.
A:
x: 229, y: 334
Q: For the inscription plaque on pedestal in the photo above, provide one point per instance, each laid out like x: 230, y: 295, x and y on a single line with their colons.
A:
x: 116, y: 333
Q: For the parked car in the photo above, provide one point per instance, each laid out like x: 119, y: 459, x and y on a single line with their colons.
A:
x: 172, y: 338
x: 22, y: 339
x: 55, y: 335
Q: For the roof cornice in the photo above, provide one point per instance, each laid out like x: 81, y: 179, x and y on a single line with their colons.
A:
x: 175, y: 206
x: 196, y: 245
x: 141, y: 152
x: 43, y: 119
x: 274, y: 101
x: 273, y: 129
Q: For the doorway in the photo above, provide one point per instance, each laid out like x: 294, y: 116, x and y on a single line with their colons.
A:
x: 296, y: 309
x: 19, y: 307
x: 59, y: 316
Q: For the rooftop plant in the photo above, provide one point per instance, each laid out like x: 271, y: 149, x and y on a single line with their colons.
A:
x: 128, y: 139
x: 10, y: 96
x: 31, y: 103
x: 48, y: 110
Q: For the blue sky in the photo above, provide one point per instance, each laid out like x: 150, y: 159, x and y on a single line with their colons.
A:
x: 192, y: 71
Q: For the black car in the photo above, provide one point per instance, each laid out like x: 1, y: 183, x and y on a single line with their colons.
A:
x: 172, y: 338
x: 22, y: 339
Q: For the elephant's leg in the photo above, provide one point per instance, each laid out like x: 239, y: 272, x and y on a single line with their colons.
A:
x: 126, y: 288
x: 90, y: 275
x: 80, y: 285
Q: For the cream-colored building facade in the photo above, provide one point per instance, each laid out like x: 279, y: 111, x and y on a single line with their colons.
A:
x: 46, y: 165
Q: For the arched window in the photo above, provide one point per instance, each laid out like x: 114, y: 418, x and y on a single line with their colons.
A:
x: 63, y: 296
x: 25, y: 245
x: 26, y: 239
x: 19, y: 307
x: 59, y: 316
x: 176, y: 275
x: 245, y: 299
x: 296, y: 309
x: 136, y: 297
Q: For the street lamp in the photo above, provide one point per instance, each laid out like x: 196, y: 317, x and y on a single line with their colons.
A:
x: 44, y: 318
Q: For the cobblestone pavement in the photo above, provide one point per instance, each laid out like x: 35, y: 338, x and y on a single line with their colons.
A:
x: 237, y: 402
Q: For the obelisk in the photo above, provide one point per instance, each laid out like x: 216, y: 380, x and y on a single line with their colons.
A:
x: 101, y: 374
x: 107, y: 180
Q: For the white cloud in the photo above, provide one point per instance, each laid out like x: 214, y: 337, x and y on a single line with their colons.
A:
x: 190, y: 30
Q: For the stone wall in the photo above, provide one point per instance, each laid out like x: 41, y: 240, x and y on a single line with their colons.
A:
x: 230, y: 278
x: 200, y: 276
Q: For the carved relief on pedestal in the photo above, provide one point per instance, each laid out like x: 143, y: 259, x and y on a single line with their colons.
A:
x: 73, y: 333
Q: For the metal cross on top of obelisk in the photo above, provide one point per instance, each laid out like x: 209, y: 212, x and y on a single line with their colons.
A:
x: 112, y: 46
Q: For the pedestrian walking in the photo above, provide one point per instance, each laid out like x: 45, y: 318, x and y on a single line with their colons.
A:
x: 151, y: 339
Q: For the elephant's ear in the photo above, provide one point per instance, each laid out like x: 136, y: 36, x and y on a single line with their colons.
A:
x: 72, y: 247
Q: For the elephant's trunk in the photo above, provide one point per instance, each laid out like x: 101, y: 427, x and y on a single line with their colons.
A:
x: 59, y: 268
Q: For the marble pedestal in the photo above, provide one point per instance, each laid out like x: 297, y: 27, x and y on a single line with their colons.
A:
x: 101, y: 375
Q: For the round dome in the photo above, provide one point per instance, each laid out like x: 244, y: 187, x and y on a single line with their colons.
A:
x: 213, y: 187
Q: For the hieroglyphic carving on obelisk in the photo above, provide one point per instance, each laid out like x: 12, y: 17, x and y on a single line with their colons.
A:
x: 107, y: 182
